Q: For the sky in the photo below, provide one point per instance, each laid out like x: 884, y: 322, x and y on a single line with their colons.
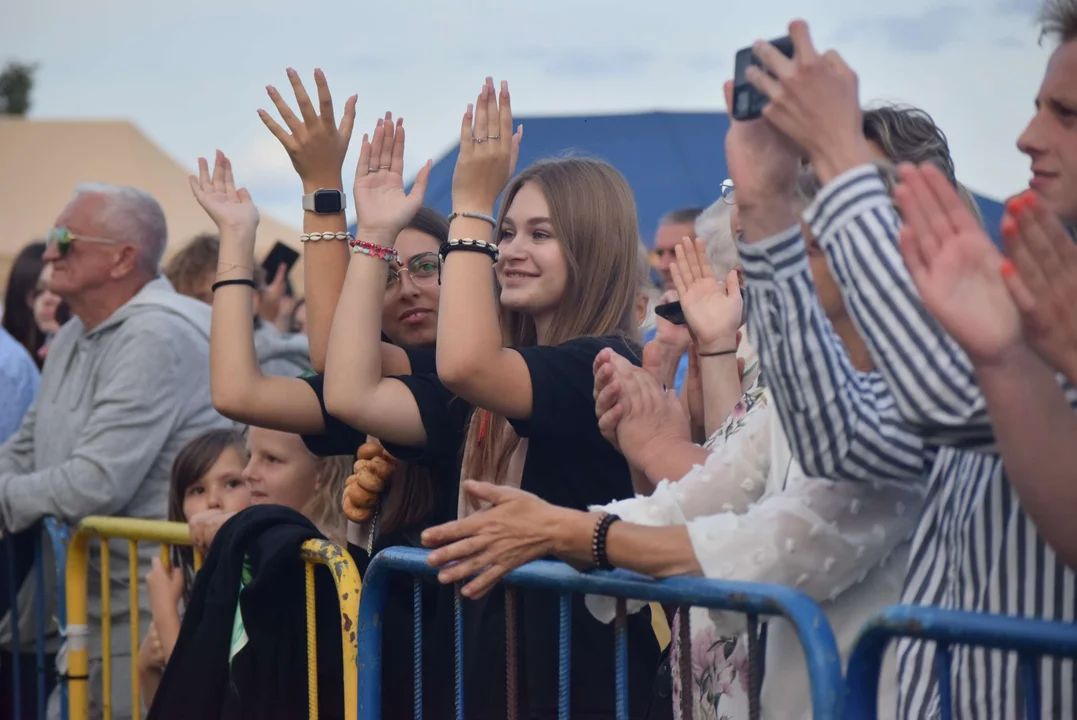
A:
x: 191, y: 75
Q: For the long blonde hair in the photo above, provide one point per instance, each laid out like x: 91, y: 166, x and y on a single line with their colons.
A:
x: 593, y: 214
x: 324, y: 509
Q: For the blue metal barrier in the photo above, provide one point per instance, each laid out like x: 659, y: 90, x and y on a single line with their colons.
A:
x: 1030, y: 639
x: 60, y: 535
x: 820, y: 649
x: 13, y: 584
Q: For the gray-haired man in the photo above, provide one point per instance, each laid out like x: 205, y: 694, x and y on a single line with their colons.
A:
x: 126, y: 385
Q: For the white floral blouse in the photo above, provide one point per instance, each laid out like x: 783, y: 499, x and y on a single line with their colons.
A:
x: 753, y: 515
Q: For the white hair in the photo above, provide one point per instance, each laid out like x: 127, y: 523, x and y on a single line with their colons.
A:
x: 714, y: 228
x: 131, y: 215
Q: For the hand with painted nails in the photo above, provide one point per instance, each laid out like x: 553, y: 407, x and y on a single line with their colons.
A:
x: 232, y: 210
x: 1042, y: 279
x: 488, y: 151
x: 955, y: 266
x: 316, y: 144
x: 382, y: 207
x: 814, y: 101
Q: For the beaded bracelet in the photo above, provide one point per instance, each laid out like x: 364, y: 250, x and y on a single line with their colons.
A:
x: 598, y: 541
x: 306, y: 237
x: 380, y: 252
x: 473, y: 216
x: 486, y: 248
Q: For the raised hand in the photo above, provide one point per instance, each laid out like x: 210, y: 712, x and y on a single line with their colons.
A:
x: 316, y: 144
x: 713, y: 308
x: 1043, y: 280
x: 814, y: 101
x: 488, y: 151
x: 229, y: 208
x: 955, y: 266
x: 382, y: 206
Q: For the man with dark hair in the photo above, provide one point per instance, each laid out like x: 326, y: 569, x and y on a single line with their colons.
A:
x: 1050, y: 140
x: 671, y: 228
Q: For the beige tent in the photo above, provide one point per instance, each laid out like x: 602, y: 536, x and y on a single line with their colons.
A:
x: 41, y: 162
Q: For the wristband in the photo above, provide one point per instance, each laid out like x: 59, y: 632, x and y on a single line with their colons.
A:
x: 598, y: 541
x: 473, y: 216
x: 241, y: 281
x: 719, y: 353
x: 308, y: 237
x: 482, y: 246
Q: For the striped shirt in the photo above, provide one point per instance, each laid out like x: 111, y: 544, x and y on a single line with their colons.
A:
x: 974, y: 549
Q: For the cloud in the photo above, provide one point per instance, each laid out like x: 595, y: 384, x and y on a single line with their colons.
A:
x: 1030, y: 8
x: 589, y: 61
x: 924, y: 33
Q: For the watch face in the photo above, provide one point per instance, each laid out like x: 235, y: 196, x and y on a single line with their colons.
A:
x: 327, y: 201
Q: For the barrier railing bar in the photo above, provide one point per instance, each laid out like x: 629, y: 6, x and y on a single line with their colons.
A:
x: 564, y: 660
x: 943, y: 664
x: 133, y: 609
x: 1030, y: 685
x: 417, y: 645
x: 39, y: 608
x: 13, y: 607
x: 620, y: 642
x: 312, y: 643
x: 511, y: 670
x: 817, y: 639
x: 946, y: 627
x: 60, y: 536
x: 458, y: 642
x: 106, y: 631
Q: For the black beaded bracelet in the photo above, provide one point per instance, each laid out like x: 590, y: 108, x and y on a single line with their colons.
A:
x: 598, y: 541
x: 222, y: 283
x: 486, y: 248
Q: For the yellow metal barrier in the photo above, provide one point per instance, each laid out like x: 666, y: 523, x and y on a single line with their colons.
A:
x: 314, y: 552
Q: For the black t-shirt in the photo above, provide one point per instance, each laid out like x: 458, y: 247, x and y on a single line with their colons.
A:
x: 340, y: 438
x: 569, y: 464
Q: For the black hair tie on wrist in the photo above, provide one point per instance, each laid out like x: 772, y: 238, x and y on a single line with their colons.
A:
x: 598, y: 541
x: 240, y: 281
x: 718, y: 354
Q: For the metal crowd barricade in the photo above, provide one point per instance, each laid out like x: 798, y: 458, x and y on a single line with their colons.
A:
x: 38, y: 568
x: 752, y: 599
x: 1030, y: 639
x: 314, y: 552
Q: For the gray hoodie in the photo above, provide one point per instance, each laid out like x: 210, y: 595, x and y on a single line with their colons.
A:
x: 285, y: 355
x: 115, y: 406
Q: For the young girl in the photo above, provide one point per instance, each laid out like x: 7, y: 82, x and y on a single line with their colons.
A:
x: 207, y: 474
x: 562, y: 257
x: 280, y: 471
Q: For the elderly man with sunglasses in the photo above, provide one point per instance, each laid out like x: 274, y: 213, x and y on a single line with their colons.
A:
x: 125, y: 386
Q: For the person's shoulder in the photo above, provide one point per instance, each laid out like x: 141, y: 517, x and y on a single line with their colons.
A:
x: 15, y: 360
x: 592, y: 345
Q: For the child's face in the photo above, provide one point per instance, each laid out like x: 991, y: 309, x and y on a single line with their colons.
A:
x: 222, y: 488
x: 281, y: 470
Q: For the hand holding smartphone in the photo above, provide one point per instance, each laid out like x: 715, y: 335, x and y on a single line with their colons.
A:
x: 748, y: 103
x: 281, y: 254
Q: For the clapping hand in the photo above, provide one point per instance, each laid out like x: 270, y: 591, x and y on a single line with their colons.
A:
x: 382, y: 206
x: 316, y: 145
x: 955, y: 266
x: 488, y: 151
x: 232, y: 210
x: 712, y: 307
x: 1042, y: 280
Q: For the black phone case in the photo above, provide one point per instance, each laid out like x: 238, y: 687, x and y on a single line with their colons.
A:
x: 671, y: 312
x: 748, y: 103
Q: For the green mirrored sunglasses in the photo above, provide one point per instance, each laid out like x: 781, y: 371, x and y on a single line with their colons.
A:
x: 62, y: 239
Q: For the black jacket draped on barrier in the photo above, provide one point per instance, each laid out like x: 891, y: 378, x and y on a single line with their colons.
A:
x: 268, y: 677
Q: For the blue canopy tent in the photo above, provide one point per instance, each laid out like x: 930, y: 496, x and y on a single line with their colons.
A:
x: 671, y: 160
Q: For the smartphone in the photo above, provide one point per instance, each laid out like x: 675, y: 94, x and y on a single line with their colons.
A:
x: 748, y: 103
x: 671, y: 312
x: 281, y: 254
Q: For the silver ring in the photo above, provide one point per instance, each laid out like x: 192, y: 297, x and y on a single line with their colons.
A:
x: 493, y: 137
x: 385, y: 167
x: 479, y: 140
x: 373, y: 170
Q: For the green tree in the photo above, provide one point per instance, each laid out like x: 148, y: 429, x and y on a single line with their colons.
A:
x: 16, y: 83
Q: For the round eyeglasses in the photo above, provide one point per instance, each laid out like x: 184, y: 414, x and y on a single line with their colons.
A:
x: 422, y: 269
x: 727, y: 193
